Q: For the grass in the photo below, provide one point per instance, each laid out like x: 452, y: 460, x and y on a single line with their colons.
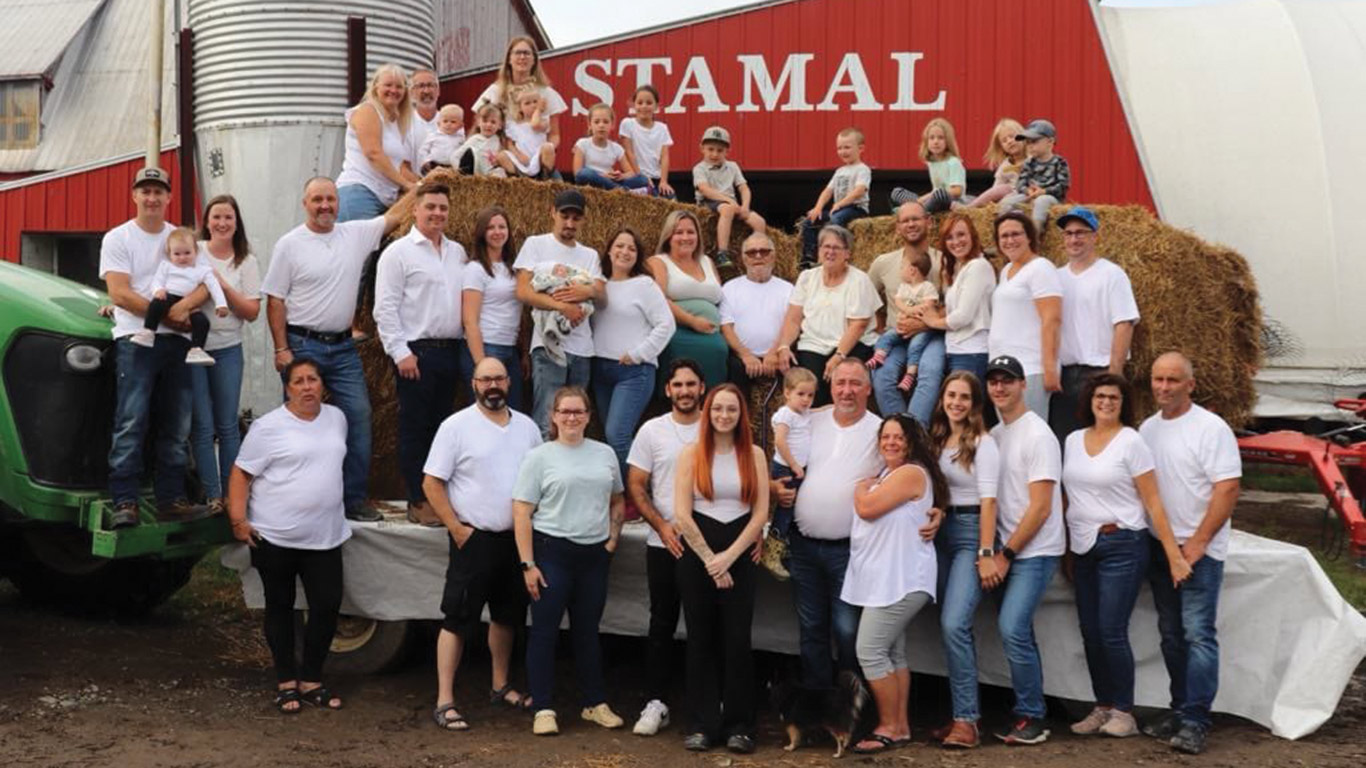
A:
x: 1343, y: 571
x: 1267, y: 477
x: 213, y: 590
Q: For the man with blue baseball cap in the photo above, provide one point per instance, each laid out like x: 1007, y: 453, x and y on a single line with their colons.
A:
x: 1098, y: 317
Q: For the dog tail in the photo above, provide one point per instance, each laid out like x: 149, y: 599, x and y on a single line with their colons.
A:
x: 855, y: 692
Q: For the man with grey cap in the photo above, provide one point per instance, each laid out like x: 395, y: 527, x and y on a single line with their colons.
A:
x: 1044, y: 177
x: 1098, y: 317
x: 129, y: 256
x: 560, y: 246
x: 721, y: 186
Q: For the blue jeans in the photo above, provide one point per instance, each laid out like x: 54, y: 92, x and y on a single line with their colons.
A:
x: 915, y: 346
x: 622, y: 393
x: 811, y: 229
x: 1108, y: 578
x: 217, y: 394
x: 344, y: 379
x: 1025, y: 584
x: 425, y: 402
x: 576, y: 580
x: 511, y: 358
x: 891, y: 400
x: 960, y: 591
x: 356, y: 201
x: 976, y: 362
x: 547, y: 377
x: 782, y: 516
x: 592, y: 178
x: 1190, y: 645
x: 817, y: 567
x: 149, y: 378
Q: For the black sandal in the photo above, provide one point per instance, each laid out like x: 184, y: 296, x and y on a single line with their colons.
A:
x: 884, y: 744
x: 457, y: 723
x: 321, y: 698
x: 499, y: 696
x: 286, y: 696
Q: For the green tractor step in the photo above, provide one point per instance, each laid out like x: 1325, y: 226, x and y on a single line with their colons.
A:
x: 166, y: 540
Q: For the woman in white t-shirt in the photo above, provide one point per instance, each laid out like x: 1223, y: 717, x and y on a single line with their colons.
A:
x: 970, y: 461
x: 1026, y: 310
x: 522, y: 67
x: 285, y: 503
x: 217, y: 389
x: 690, y: 282
x: 376, y: 166
x: 629, y: 332
x: 490, y: 311
x: 830, y: 315
x: 892, y: 570
x: 1109, y: 480
x: 965, y: 316
x: 720, y: 508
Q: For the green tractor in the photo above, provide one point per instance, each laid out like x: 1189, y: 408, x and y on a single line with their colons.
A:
x: 56, y: 419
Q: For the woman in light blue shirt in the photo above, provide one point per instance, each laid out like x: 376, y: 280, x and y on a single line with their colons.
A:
x: 567, y: 508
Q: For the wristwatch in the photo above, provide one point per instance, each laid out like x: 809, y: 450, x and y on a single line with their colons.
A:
x: 986, y: 552
x: 527, y: 565
x: 1009, y: 553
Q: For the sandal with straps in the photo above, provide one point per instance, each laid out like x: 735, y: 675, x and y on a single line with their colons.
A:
x: 321, y: 698
x: 500, y: 696
x: 286, y: 696
x: 457, y: 723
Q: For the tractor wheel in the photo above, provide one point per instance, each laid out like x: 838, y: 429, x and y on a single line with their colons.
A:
x: 361, y: 646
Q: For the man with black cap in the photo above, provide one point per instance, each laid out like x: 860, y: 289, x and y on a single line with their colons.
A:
x: 1030, y: 528
x: 560, y: 246
x: 129, y: 256
x: 1098, y: 317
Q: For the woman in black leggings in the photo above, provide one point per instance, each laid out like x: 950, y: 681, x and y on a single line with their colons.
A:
x: 285, y: 502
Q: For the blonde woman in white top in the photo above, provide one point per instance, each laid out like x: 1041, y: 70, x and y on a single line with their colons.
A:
x: 690, y: 283
x: 376, y: 167
x: 965, y: 315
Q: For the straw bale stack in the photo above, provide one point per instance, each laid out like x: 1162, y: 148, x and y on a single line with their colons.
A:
x: 1194, y: 296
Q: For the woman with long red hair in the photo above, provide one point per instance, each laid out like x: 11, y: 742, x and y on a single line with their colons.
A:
x: 720, y: 507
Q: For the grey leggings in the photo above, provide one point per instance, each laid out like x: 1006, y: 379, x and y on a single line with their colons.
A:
x: 881, y: 643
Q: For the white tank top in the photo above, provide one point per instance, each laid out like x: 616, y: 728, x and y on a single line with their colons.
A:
x: 887, y: 558
x: 356, y: 169
x: 725, y: 505
x: 684, y: 286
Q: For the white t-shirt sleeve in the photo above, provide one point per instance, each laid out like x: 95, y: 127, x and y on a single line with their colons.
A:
x: 1220, y: 453
x: 554, y: 102
x: 1123, y: 308
x: 474, y: 278
x: 279, y: 275
x: 441, y: 456
x: 594, y: 267
x: 1043, y: 281
x: 641, y: 454
x: 254, y: 455
x: 1138, y: 457
x: 369, y: 233
x: 986, y: 467
x: 1045, y: 463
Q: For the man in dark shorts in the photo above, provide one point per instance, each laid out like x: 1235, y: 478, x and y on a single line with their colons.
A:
x: 469, y: 476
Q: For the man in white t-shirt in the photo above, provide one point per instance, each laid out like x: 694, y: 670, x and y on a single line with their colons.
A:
x: 912, y: 226
x: 1198, y: 472
x: 129, y: 256
x: 425, y: 90
x: 560, y: 245
x: 1098, y: 317
x: 650, y: 483
x: 752, y: 310
x: 311, y: 288
x: 468, y: 478
x: 1029, y: 524
x: 418, y: 285
x: 843, y: 451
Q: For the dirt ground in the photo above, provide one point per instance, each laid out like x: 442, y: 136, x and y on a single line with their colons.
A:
x: 188, y: 687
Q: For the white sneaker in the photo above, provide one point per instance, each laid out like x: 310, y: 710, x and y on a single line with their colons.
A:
x: 544, y: 723
x: 602, y: 715
x: 1120, y: 725
x: 1091, y: 724
x: 197, y: 356
x: 652, y: 718
x: 143, y: 338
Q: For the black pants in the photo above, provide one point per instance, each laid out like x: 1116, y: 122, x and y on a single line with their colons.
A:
x: 156, y: 312
x: 1064, y: 408
x: 815, y: 363
x: 320, y: 570
x: 661, y: 573
x: 425, y: 402
x: 720, y: 667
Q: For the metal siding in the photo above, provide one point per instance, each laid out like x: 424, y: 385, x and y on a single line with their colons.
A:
x: 36, y: 32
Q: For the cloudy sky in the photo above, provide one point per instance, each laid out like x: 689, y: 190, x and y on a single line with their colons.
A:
x: 575, y: 21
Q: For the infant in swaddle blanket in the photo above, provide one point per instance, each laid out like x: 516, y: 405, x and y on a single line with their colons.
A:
x: 548, y: 325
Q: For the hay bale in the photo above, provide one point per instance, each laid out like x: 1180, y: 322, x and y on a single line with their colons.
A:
x: 1194, y: 297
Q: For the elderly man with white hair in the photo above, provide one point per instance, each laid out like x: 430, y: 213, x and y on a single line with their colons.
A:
x: 752, y: 309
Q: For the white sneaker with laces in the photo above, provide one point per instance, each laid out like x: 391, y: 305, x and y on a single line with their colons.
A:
x: 143, y: 338
x: 652, y: 718
x: 197, y: 356
x: 1120, y: 725
x: 1092, y: 723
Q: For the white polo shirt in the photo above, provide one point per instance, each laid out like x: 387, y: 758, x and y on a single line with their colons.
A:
x: 417, y: 292
x: 318, y: 275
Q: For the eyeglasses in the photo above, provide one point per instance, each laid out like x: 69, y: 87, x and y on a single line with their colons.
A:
x: 486, y: 380
x: 758, y: 253
x: 1009, y: 235
x: 1107, y: 397
x: 571, y: 413
x: 523, y: 53
x: 832, y: 247
x: 1076, y: 232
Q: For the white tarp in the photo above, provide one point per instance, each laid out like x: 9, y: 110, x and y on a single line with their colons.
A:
x: 1288, y: 641
x: 1249, y: 116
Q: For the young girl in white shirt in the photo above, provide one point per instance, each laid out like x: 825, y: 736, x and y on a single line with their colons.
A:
x: 647, y: 141
x: 597, y: 157
x: 530, y: 152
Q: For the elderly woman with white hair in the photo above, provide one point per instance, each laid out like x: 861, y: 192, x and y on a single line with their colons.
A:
x: 376, y: 167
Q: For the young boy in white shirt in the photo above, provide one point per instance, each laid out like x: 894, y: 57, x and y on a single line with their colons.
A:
x: 846, y: 194
x: 721, y: 186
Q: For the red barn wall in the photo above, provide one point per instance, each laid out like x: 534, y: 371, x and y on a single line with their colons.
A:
x: 988, y: 59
